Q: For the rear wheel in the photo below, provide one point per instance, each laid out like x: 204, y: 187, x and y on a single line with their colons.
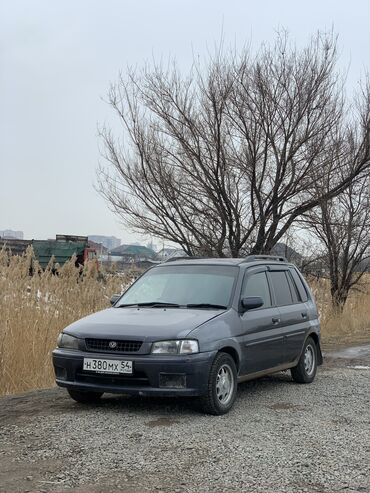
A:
x: 305, y: 371
x: 85, y: 397
x: 222, y: 386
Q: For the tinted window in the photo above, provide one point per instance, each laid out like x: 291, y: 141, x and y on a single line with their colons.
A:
x: 301, y: 289
x: 257, y: 285
x: 281, y: 288
x: 183, y: 285
x: 293, y: 289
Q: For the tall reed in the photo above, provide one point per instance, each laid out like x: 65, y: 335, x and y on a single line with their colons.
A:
x: 350, y: 326
x: 35, y: 308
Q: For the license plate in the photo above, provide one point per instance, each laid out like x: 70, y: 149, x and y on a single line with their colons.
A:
x: 107, y: 365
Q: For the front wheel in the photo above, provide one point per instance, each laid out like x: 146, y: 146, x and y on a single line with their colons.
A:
x: 84, y: 397
x: 222, y: 386
x: 305, y: 371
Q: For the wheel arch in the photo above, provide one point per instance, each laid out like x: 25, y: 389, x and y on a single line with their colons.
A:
x: 316, y: 338
x: 233, y: 353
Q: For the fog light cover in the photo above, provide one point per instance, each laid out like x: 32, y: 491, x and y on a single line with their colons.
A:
x: 172, y: 380
x: 60, y: 373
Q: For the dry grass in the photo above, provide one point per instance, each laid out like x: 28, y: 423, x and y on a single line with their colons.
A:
x: 34, y: 309
x: 350, y: 326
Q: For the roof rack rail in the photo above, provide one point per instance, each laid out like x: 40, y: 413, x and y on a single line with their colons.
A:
x: 172, y: 259
x: 276, y: 258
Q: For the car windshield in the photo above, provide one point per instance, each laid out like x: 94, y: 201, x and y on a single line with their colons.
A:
x: 192, y: 286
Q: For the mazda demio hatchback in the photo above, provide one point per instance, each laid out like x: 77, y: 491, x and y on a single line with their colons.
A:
x: 195, y: 327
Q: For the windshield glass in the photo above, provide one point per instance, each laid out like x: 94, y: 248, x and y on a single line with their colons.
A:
x: 183, y: 285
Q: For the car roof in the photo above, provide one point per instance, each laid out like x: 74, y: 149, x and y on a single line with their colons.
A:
x: 250, y: 259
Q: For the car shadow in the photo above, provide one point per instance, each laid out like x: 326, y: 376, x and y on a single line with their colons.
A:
x: 181, y: 406
x: 150, y: 405
x: 266, y: 382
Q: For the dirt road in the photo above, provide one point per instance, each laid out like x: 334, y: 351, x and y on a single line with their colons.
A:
x: 280, y: 437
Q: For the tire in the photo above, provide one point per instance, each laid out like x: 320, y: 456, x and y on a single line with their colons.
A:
x: 306, y: 369
x: 84, y: 397
x: 220, y: 399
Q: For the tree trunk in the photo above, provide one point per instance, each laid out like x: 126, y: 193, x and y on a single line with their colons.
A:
x: 339, y: 297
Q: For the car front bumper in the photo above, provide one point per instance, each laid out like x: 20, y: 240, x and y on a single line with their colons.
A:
x: 152, y: 375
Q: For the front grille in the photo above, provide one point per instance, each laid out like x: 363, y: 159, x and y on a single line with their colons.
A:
x: 106, y: 345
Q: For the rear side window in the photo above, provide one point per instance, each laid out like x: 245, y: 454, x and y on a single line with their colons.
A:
x: 298, y: 282
x: 257, y: 285
x: 293, y: 288
x: 281, y: 287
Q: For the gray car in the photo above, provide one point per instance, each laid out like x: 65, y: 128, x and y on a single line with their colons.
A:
x: 195, y: 327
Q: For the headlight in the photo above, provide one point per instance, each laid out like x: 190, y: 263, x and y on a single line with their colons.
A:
x: 185, y: 346
x: 66, y: 341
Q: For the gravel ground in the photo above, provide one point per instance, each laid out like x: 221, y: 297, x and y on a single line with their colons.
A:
x: 280, y: 437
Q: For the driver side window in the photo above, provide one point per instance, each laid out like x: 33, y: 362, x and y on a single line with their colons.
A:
x: 257, y: 285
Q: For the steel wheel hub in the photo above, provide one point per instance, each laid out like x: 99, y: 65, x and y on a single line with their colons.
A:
x: 224, y: 384
x: 309, y: 360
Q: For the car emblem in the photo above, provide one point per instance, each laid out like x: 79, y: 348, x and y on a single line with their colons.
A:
x: 112, y: 344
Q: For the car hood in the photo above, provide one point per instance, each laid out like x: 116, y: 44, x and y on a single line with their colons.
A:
x: 147, y: 324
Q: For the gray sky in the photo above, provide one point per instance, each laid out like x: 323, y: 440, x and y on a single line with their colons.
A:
x: 58, y: 57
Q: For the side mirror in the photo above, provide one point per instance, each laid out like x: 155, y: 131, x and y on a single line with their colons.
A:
x: 251, y: 302
x: 114, y: 298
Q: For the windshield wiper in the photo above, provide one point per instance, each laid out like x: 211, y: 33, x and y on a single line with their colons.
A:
x: 151, y: 304
x: 206, y: 305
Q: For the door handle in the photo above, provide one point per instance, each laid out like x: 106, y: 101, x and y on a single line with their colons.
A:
x: 304, y: 314
x: 275, y: 320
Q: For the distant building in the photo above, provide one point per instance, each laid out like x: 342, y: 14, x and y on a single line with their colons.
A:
x: 10, y: 234
x: 167, y: 253
x: 152, y: 246
x: 284, y: 250
x: 109, y: 242
x: 99, y: 247
x: 133, y: 253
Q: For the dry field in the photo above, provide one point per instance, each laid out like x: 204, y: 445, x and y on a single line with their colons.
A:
x: 34, y: 309
x: 350, y: 327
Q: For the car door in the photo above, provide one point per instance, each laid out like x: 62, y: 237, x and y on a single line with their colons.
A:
x: 294, y: 318
x: 261, y: 341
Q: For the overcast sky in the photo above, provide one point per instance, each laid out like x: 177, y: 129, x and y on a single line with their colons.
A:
x: 57, y: 59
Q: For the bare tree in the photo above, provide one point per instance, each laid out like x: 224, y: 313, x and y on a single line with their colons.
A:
x: 225, y: 160
x: 342, y: 224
